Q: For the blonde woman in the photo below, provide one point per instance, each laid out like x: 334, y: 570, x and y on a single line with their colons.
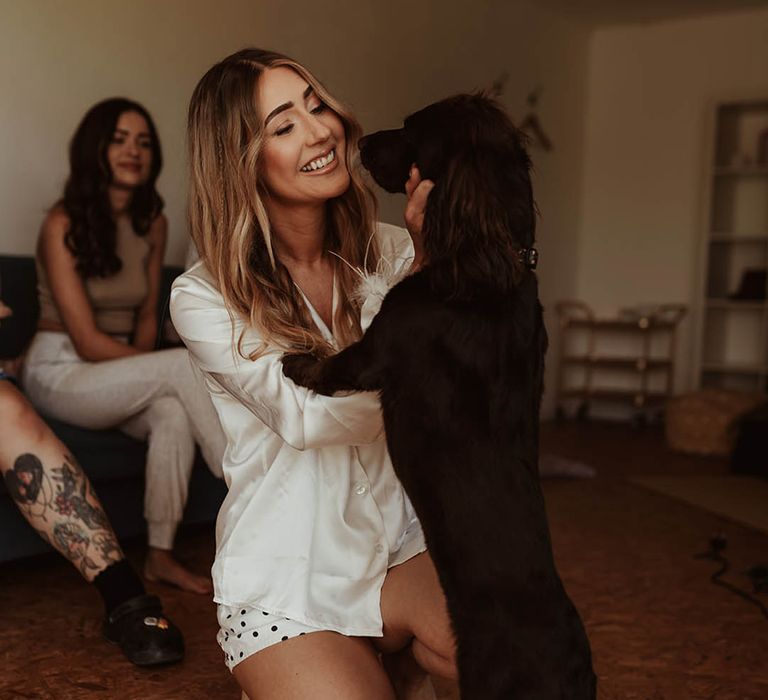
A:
x: 321, y: 564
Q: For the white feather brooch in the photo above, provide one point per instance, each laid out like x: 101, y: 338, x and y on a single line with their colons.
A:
x: 374, y: 285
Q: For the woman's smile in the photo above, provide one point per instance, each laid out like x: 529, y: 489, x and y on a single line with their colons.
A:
x: 322, y: 164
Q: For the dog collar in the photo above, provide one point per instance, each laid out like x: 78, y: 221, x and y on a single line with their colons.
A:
x: 529, y: 257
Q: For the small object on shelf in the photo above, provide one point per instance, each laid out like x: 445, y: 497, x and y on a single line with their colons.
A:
x: 636, y: 313
x: 638, y: 322
x: 752, y: 287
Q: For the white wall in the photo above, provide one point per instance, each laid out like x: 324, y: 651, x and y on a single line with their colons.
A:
x: 645, y: 142
x: 384, y: 58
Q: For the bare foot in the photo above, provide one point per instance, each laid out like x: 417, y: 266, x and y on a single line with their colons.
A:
x: 161, y: 566
x: 409, y: 680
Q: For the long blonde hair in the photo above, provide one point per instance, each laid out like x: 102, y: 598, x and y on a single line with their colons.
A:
x: 229, y: 221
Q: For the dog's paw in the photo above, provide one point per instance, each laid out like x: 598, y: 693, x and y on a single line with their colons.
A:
x: 302, y: 368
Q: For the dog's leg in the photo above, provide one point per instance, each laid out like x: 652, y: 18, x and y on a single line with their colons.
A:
x: 357, y: 368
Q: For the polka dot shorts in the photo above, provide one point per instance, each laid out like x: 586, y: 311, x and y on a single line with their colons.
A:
x: 245, y: 630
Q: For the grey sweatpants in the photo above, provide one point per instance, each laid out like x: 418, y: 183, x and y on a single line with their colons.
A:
x: 156, y: 396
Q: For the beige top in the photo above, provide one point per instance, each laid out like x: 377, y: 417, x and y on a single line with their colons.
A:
x: 114, y: 299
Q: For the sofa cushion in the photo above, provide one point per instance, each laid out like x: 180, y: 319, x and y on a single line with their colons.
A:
x: 104, y: 454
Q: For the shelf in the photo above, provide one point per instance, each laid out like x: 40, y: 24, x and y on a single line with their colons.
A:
x: 735, y: 305
x: 743, y: 239
x: 732, y: 368
x: 640, y: 324
x: 636, y: 398
x: 635, y: 363
x: 744, y: 106
x: 626, y: 360
x: 741, y: 171
x: 732, y: 343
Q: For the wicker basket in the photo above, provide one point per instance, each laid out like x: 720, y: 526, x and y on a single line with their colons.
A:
x: 704, y: 422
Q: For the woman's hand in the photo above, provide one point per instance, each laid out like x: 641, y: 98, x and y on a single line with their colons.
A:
x: 417, y: 191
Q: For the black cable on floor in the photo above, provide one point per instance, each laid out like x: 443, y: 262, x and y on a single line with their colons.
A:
x: 716, y: 545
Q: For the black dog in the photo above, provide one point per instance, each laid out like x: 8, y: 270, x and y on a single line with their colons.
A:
x: 457, y: 354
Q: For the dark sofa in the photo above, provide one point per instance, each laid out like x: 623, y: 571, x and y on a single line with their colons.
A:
x: 113, y: 461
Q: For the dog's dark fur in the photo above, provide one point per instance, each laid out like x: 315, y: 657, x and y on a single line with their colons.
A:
x: 457, y: 352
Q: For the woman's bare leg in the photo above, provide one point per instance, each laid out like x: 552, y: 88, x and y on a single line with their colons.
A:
x: 53, y: 493
x: 320, y: 665
x: 51, y: 490
x: 170, y: 456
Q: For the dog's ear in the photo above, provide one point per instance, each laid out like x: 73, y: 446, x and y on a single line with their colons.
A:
x: 484, y: 196
x: 478, y: 217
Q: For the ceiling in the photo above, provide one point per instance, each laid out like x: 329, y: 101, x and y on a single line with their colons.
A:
x: 606, y: 12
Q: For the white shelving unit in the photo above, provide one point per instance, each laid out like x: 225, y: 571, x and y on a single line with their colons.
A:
x: 732, y: 347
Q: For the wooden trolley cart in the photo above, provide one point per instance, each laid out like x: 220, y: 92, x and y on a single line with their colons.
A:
x: 646, y: 370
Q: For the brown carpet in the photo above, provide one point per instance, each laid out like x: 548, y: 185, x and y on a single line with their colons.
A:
x: 742, y: 499
x: 659, y: 629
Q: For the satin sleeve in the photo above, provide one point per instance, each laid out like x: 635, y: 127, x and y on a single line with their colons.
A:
x: 302, y: 418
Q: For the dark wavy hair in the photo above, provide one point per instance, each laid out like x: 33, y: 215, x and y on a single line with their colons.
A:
x: 92, y: 235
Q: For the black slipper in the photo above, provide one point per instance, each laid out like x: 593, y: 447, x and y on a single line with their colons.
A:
x: 145, y: 635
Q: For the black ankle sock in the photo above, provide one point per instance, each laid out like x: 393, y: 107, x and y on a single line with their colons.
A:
x: 117, y: 583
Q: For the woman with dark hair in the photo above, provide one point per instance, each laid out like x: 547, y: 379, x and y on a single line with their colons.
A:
x: 96, y: 163
x: 91, y: 363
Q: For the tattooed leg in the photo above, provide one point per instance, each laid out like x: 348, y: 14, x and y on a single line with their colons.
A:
x: 50, y: 488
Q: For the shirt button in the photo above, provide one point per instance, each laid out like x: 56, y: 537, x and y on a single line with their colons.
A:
x: 379, y: 548
x: 361, y: 489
